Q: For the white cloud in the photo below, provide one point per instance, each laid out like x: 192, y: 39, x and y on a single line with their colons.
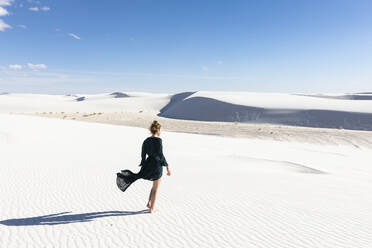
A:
x: 4, y: 26
x: 22, y: 26
x: 33, y: 1
x: 74, y: 36
x: 36, y: 67
x: 3, y: 12
x: 36, y: 9
x: 5, y: 2
x: 15, y: 67
x: 204, y: 68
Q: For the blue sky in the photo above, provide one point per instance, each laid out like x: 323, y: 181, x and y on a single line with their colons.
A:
x: 96, y: 46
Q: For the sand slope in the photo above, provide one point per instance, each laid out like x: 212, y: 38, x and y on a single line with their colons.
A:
x: 58, y: 190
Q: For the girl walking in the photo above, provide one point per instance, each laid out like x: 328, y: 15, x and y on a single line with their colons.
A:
x: 152, y: 163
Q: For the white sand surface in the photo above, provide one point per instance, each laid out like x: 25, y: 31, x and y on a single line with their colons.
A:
x: 226, y: 129
x: 58, y: 190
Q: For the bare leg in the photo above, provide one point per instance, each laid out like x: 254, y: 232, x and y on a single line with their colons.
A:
x: 154, y: 194
x: 149, y: 202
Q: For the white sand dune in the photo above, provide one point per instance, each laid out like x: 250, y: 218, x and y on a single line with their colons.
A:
x: 341, y: 111
x: 335, y: 102
x: 58, y: 190
x: 324, y: 111
x: 108, y: 102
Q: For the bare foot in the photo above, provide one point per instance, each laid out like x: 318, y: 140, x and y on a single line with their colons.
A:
x: 148, y: 205
x: 152, y: 210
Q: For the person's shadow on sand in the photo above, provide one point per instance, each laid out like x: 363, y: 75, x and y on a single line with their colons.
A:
x: 66, y: 218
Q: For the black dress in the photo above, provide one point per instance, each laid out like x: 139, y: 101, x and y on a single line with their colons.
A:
x: 151, y: 167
